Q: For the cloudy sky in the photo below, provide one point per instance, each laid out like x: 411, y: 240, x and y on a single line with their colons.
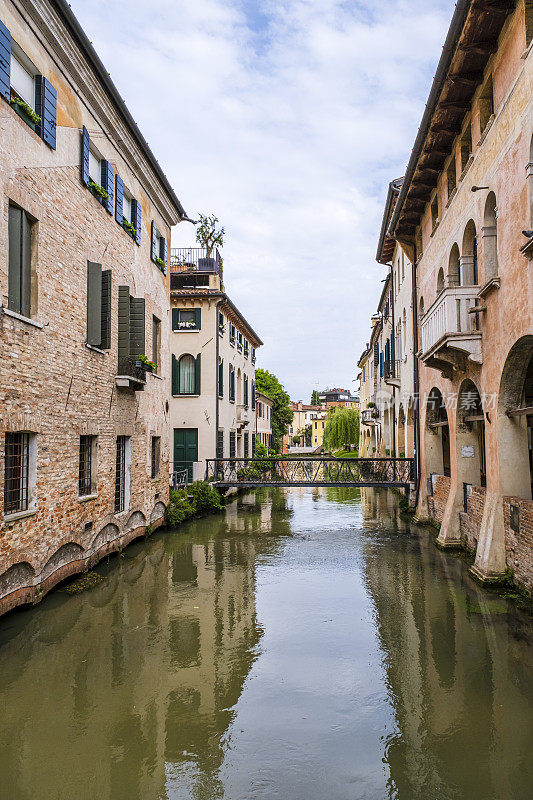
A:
x: 287, y: 119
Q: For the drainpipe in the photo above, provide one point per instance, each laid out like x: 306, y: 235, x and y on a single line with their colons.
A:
x: 393, y: 359
x: 416, y: 381
x: 216, y: 377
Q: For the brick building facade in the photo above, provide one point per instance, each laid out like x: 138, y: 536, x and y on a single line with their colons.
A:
x: 84, y: 232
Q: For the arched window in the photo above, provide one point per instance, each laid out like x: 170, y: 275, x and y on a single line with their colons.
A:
x: 404, y: 329
x: 187, y: 375
x: 470, y: 436
x: 421, y: 308
x: 468, y: 266
x: 453, y: 267
x: 515, y: 424
x: 440, y: 281
x: 438, y: 446
x: 490, y: 238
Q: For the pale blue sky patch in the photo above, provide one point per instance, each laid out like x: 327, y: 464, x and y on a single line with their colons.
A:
x: 287, y: 119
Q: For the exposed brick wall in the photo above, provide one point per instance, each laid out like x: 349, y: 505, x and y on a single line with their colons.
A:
x: 437, y: 501
x: 470, y: 521
x: 519, y: 545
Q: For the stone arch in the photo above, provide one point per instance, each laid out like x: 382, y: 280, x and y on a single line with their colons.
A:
x: 18, y: 576
x: 515, y: 432
x: 65, y: 555
x: 437, y: 439
x: 470, y: 437
x: 490, y: 237
x: 157, y: 512
x: 468, y: 264
x: 453, y: 266
x: 108, y: 534
x: 135, y: 520
x: 421, y: 310
x: 401, y: 432
x: 440, y: 281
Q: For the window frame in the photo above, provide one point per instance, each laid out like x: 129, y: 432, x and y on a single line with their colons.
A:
x: 90, y: 443
x: 155, y: 457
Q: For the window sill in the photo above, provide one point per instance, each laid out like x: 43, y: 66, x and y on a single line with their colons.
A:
x: 95, y: 349
x: 185, y: 395
x: 30, y: 512
x: 85, y: 497
x: 22, y: 318
x: 159, y: 377
x: 185, y: 330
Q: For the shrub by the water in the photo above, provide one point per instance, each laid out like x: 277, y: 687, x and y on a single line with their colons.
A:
x: 206, y: 499
x: 198, y: 499
x: 179, y: 508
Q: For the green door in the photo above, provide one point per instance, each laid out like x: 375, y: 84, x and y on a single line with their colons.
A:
x: 185, y: 449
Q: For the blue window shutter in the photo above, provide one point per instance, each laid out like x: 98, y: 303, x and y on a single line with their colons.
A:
x: 46, y: 107
x: 153, y: 250
x: 136, y: 219
x: 85, y: 156
x: 164, y: 254
x: 119, y: 199
x: 5, y: 62
x: 108, y: 174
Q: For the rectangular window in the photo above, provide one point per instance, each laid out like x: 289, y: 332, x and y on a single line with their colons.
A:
x: 220, y: 443
x: 253, y: 395
x: 22, y: 76
x: 16, y: 479
x: 155, y: 456
x: 232, y: 333
x: 245, y: 391
x: 87, y: 462
x: 186, y: 319
x: 246, y: 444
x: 239, y: 341
x: 221, y: 325
x: 156, y: 342
x: 98, y: 306
x: 19, y: 274
x: 246, y: 348
x: 126, y: 206
x: 122, y: 475
x: 253, y: 355
x: 231, y: 383
x: 232, y: 444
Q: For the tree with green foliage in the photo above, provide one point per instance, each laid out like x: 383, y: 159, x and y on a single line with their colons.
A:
x: 342, y: 428
x: 315, y: 399
x: 268, y: 384
x: 208, y: 235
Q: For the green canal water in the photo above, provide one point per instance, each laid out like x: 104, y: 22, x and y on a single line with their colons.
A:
x: 304, y: 645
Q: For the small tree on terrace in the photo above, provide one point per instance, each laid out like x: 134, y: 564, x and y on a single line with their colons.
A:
x: 342, y: 428
x: 207, y: 234
x: 315, y: 399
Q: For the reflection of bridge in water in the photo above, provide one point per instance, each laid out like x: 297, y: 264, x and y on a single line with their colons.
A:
x: 326, y: 471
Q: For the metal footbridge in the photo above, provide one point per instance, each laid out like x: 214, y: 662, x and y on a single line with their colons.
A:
x: 325, y: 471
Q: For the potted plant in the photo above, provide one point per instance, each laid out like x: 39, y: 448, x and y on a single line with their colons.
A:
x: 144, y: 362
x: 160, y: 263
x: 98, y: 191
x: 208, y: 236
x: 128, y: 227
x: 371, y: 404
x: 25, y: 111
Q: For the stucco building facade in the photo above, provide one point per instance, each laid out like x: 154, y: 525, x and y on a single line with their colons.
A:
x: 83, y: 428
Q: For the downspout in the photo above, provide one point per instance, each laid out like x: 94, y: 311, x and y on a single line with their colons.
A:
x: 217, y: 335
x: 393, y: 359
x: 416, y: 380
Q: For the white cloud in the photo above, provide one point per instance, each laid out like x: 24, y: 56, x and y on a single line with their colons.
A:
x: 288, y: 120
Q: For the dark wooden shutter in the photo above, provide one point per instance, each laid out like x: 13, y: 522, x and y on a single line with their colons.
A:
x: 46, y: 107
x: 119, y: 199
x: 94, y: 303
x: 253, y: 395
x: 85, y: 156
x: 123, y: 324
x: 253, y: 445
x: 153, y: 249
x: 198, y: 374
x: 221, y: 379
x: 105, y: 342
x: 175, y: 375
x: 175, y: 318
x: 376, y: 354
x: 198, y: 318
x: 108, y: 174
x: 137, y: 326
x: 220, y: 443
x: 246, y: 443
x: 136, y: 219
x: 232, y: 444
x: 15, y: 258
x: 5, y: 62
x: 245, y: 393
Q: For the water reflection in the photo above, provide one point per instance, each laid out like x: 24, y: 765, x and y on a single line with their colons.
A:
x: 458, y: 670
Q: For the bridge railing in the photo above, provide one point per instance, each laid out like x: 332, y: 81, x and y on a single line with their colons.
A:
x: 327, y: 471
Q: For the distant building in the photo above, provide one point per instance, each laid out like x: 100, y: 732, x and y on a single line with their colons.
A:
x: 332, y: 398
x: 300, y: 426
x: 318, y: 425
x: 263, y: 419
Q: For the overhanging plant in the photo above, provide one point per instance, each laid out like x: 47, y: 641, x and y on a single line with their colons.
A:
x: 160, y: 263
x: 98, y: 190
x: 128, y: 227
x: 151, y: 366
x: 26, y: 108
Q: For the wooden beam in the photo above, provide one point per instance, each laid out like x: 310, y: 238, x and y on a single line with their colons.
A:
x: 455, y: 105
x: 480, y: 48
x: 438, y: 424
x: 467, y: 78
x: 526, y: 411
x: 422, y: 185
x: 474, y: 418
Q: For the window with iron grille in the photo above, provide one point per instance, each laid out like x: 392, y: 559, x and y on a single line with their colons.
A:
x: 253, y: 444
x: 120, y: 474
x: 85, y: 466
x: 155, y: 456
x: 232, y: 444
x: 17, y: 457
x: 220, y: 443
x: 246, y: 445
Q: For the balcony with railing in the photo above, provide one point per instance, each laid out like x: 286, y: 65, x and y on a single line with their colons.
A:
x: 195, y: 259
x: 391, y: 371
x: 370, y: 416
x: 131, y: 374
x: 450, y: 330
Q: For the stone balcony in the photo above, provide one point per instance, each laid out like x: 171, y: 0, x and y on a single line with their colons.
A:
x: 450, y: 334
x: 369, y: 416
x: 243, y: 415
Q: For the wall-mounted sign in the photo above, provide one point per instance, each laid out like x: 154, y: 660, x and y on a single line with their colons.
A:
x: 467, y: 451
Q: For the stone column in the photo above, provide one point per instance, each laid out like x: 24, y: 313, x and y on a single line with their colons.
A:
x: 488, y: 233
x: 466, y: 270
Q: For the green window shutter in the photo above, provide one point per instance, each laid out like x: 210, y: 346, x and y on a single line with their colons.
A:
x: 137, y: 326
x: 175, y: 318
x: 94, y: 303
x: 221, y: 379
x: 175, y: 375
x: 198, y: 318
x: 105, y: 342
x: 123, y: 324
x: 198, y: 374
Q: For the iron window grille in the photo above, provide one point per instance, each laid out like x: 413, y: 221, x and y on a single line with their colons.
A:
x: 85, y: 466
x: 17, y: 451
x: 120, y: 474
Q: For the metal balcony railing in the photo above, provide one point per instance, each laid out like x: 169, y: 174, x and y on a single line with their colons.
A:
x: 186, y: 259
x: 391, y: 369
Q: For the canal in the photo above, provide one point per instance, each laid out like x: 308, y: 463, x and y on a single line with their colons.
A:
x: 304, y: 645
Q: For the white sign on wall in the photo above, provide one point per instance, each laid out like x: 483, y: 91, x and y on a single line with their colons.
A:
x: 467, y: 451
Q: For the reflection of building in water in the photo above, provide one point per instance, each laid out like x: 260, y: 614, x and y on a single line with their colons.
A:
x: 138, y: 677
x: 379, y: 507
x: 455, y: 692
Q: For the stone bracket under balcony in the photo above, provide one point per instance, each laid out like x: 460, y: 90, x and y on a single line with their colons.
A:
x: 452, y: 352
x: 130, y: 376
